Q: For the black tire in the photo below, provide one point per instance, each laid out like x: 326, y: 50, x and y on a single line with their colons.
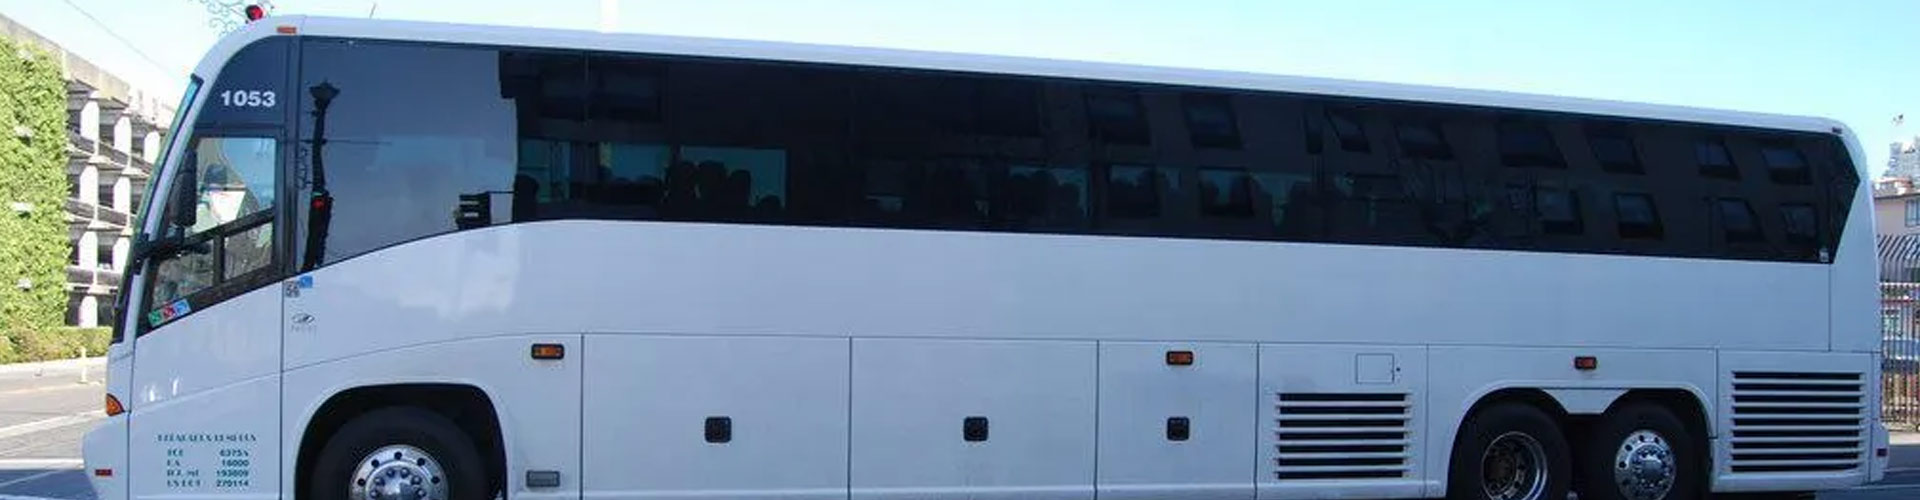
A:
x: 1464, y: 475
x: 466, y: 473
x: 1609, y: 436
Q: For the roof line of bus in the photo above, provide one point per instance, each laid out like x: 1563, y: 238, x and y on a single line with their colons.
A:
x: 910, y: 59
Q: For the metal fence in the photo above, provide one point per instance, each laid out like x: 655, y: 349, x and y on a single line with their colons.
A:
x: 1900, y: 330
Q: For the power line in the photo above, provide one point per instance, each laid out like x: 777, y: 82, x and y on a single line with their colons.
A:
x: 116, y: 36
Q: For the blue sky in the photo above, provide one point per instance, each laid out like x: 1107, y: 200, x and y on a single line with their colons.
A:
x: 1857, y: 61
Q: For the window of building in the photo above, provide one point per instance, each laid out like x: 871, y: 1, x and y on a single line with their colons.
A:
x: 1785, y: 164
x: 1315, y: 129
x: 1801, y: 225
x: 1559, y: 211
x: 1115, y: 116
x: 1614, y: 149
x: 1210, y: 121
x: 1913, y: 212
x: 1423, y: 139
x: 1347, y: 127
x: 1140, y: 192
x: 1737, y: 222
x: 1638, y: 218
x: 1227, y: 192
x: 1714, y: 161
x: 1528, y: 144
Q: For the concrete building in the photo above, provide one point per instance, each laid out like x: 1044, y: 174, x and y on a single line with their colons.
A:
x: 1903, y: 158
x: 114, y: 135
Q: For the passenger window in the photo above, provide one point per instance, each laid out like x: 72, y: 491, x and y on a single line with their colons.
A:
x: 1714, y: 161
x: 229, y: 232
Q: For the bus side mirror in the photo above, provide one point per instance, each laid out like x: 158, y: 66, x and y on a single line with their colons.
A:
x: 181, y: 209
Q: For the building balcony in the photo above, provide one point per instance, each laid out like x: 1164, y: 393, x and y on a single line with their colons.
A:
x: 97, y: 281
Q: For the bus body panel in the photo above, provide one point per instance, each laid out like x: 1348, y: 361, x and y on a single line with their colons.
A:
x: 914, y: 406
x: 1463, y: 375
x: 934, y: 284
x: 1811, y: 399
x: 105, y: 447
x: 1210, y: 452
x: 1854, y: 279
x: 1343, y: 394
x: 205, y: 392
x: 671, y: 417
x: 537, y: 402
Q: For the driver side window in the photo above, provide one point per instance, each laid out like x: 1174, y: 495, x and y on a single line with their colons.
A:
x: 227, y: 233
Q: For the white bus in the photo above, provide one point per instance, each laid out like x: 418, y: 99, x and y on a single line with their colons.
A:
x: 395, y: 260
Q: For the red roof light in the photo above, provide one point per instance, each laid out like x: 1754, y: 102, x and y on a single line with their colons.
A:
x: 255, y: 12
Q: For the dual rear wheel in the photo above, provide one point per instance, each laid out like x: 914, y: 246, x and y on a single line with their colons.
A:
x: 1515, y: 451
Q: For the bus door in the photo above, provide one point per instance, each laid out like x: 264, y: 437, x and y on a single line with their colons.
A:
x: 205, y: 409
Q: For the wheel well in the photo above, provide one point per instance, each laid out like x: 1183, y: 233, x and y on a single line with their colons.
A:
x: 466, y: 405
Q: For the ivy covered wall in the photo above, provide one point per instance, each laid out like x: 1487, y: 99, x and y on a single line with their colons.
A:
x: 33, y: 191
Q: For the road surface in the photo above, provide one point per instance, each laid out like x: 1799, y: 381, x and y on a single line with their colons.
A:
x: 42, y: 418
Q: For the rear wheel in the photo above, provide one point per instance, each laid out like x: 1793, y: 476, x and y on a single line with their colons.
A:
x: 1641, y: 451
x: 399, y: 453
x: 1509, y: 451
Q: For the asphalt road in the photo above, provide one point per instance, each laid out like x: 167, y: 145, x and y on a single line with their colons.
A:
x: 43, y: 417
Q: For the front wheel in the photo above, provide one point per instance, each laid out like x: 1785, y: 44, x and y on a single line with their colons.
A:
x: 399, y: 453
x: 1509, y: 451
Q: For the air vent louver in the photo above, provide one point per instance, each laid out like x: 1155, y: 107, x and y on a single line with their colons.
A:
x: 1341, y: 435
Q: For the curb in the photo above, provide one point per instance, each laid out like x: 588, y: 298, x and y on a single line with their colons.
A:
x: 1904, y: 438
x: 43, y: 367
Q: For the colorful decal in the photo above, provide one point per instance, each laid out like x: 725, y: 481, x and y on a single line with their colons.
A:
x: 168, y: 313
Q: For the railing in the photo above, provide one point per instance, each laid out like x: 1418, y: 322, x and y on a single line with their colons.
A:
x: 1900, y: 330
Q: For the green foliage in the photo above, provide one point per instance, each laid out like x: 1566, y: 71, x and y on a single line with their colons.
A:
x: 59, y: 343
x: 33, y: 158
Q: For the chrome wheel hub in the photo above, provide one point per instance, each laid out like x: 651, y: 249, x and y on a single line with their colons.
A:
x: 398, y: 472
x: 1513, y: 467
x: 1644, y: 466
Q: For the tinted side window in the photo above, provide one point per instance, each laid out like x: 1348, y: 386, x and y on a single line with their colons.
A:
x: 406, y: 141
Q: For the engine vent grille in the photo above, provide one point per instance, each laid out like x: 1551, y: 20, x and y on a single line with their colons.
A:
x: 1341, y: 435
x: 1797, y: 421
